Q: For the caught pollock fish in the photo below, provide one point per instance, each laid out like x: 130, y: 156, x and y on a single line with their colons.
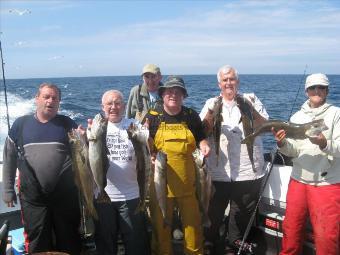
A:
x: 295, y: 131
x: 84, y: 181
x: 99, y: 162
x: 139, y: 136
x: 247, y: 119
x: 160, y: 181
x: 204, y: 188
x: 212, y: 123
x: 81, y: 169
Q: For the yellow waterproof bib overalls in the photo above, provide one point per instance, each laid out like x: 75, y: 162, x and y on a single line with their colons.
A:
x: 178, y: 142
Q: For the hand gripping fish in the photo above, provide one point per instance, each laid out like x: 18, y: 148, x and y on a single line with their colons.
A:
x: 161, y: 183
x: 295, y: 131
x: 212, y: 123
x: 99, y: 162
x: 204, y: 188
x: 139, y: 136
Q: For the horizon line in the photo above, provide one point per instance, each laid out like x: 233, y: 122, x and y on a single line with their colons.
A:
x: 136, y: 75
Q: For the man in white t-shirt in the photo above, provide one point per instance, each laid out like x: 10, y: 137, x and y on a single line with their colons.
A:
x: 120, y: 215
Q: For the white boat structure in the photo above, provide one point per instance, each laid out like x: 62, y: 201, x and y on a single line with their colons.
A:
x: 272, y: 206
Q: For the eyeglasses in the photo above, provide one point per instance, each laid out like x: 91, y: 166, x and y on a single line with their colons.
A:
x: 317, y: 87
x: 230, y: 79
x: 110, y: 104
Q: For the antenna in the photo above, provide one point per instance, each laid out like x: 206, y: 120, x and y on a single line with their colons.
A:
x: 5, y: 88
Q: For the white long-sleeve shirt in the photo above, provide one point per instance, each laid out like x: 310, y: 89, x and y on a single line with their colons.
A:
x: 233, y: 163
x: 310, y: 164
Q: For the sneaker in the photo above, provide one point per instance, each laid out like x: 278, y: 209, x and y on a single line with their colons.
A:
x: 247, y: 248
x: 177, y: 234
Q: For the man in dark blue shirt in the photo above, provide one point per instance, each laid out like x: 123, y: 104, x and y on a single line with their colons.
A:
x: 38, y: 146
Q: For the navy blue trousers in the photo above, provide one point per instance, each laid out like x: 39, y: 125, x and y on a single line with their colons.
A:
x: 120, y: 217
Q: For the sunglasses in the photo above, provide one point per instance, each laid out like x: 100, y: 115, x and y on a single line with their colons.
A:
x: 317, y: 87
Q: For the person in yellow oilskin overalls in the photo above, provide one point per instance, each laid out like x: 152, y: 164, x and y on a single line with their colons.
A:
x: 176, y: 131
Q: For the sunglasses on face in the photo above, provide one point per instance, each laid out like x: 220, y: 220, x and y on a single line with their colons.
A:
x: 317, y: 87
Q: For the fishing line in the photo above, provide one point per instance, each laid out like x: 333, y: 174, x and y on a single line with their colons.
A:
x: 5, y: 87
x: 298, y: 92
x: 273, y: 157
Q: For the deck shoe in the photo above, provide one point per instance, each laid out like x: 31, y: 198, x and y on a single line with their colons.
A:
x: 177, y: 234
x: 247, y: 248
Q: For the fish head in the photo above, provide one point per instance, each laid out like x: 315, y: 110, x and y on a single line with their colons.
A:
x: 76, y: 139
x: 315, y: 128
x: 131, y: 130
x: 213, y: 115
x: 161, y: 161
x: 139, y: 133
x: 98, y: 127
x: 162, y: 157
x: 199, y: 158
x: 214, y: 107
x: 72, y: 137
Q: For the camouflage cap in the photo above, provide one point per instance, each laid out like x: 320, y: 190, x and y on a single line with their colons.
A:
x: 173, y: 81
x: 151, y: 68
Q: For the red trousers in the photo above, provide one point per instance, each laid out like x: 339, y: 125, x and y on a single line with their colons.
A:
x: 322, y: 204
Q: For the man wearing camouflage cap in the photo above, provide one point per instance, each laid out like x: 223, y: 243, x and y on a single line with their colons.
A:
x: 176, y: 131
x: 144, y: 96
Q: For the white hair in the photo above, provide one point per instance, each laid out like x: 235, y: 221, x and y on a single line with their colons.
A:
x: 226, y: 69
x: 113, y: 91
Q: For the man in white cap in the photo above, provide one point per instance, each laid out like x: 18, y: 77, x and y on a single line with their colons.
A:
x: 145, y: 96
x: 314, y: 188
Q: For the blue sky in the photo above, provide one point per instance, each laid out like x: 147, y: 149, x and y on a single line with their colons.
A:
x: 95, y: 38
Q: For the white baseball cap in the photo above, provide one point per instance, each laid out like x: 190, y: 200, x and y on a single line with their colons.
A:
x: 316, y: 79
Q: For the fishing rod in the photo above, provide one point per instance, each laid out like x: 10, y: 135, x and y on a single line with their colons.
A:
x: 273, y: 157
x: 5, y: 87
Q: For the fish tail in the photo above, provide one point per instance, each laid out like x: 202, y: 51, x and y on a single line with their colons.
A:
x: 140, y: 207
x: 253, y: 165
x: 103, y: 197
x: 92, y: 211
x: 248, y: 140
x: 206, y: 221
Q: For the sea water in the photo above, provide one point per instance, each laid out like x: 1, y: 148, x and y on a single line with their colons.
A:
x: 81, y: 96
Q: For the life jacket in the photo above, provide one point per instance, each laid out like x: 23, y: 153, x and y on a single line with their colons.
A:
x: 178, y: 143
x: 140, y: 114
